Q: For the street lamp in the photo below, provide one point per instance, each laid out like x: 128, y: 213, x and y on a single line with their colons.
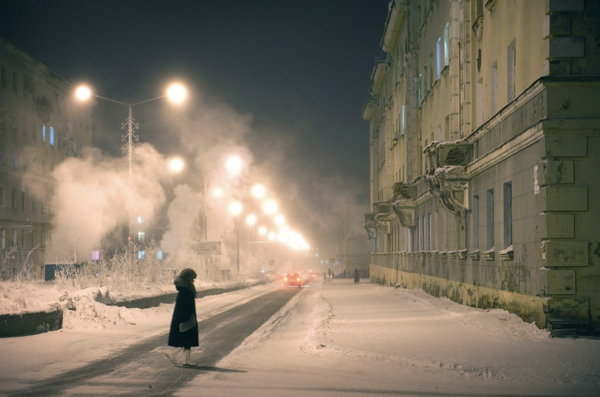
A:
x: 236, y: 209
x: 176, y: 93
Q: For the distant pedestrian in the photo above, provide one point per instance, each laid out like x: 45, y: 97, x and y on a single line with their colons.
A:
x: 184, y: 326
x: 356, y: 276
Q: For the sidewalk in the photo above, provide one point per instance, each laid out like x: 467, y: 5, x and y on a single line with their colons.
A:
x: 338, y: 338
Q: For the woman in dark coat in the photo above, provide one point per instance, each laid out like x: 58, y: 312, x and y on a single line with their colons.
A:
x: 184, y: 327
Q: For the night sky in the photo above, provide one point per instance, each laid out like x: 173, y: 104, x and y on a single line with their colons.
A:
x: 300, y: 69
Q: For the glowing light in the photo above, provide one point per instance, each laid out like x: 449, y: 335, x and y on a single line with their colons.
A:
x: 251, y: 219
x: 234, y: 165
x: 270, y: 206
x: 258, y: 191
x: 176, y: 164
x: 176, y: 93
x: 262, y: 230
x: 83, y: 93
x: 217, y: 192
x: 271, y: 236
x: 236, y: 208
x: 285, y: 230
x: 280, y: 220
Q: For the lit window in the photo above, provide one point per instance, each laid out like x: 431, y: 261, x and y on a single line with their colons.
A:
x: 402, y: 122
x: 95, y: 255
x: 447, y: 44
x: 141, y: 254
x: 160, y: 254
x: 141, y: 236
x: 43, y: 132
x: 52, y: 136
x: 439, y: 57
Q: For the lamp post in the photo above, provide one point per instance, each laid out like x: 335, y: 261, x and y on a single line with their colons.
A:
x: 176, y: 93
x: 236, y: 209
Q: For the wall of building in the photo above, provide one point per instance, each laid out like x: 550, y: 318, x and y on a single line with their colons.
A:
x: 40, y: 126
x: 499, y: 147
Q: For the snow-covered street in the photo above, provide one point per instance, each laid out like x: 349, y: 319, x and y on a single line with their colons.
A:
x: 338, y: 338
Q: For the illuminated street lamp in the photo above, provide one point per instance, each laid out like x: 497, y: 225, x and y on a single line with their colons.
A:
x: 234, y: 165
x: 176, y: 93
x: 270, y: 206
x: 258, y: 191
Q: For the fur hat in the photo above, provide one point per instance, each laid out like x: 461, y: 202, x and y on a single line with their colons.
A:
x: 188, y: 274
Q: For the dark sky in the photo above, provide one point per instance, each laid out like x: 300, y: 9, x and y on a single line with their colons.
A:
x: 300, y: 67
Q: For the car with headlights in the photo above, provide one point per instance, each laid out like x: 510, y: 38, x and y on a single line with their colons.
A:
x: 292, y: 279
x: 312, y: 274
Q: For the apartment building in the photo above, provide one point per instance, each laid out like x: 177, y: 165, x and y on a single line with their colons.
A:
x: 484, y: 139
x: 40, y: 126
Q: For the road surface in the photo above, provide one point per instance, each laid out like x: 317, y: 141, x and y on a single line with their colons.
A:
x: 143, y: 369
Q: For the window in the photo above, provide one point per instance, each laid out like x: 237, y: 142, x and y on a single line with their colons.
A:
x: 15, y: 160
x: 417, y: 228
x: 423, y: 234
x: 479, y: 103
x: 425, y: 86
x: 3, y: 76
x: 490, y: 219
x: 95, y: 255
x: 439, y: 57
x: 447, y: 44
x: 141, y: 236
x: 3, y: 238
x: 14, y: 199
x: 23, y: 201
x: 430, y: 232
x: 141, y: 254
x: 493, y: 89
x: 511, y: 56
x: 33, y: 130
x: 42, y: 240
x: 43, y: 132
x: 402, y: 121
x: 2, y: 191
x: 419, y: 96
x: 479, y: 8
x: 160, y: 255
x: 507, y: 214
x: 15, y: 240
x: 475, y: 220
x: 52, y: 136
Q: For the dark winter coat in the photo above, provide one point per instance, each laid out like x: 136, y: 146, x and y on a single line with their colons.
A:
x: 185, y: 307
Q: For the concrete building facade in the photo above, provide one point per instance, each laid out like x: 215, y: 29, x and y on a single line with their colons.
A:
x: 40, y: 126
x: 484, y: 144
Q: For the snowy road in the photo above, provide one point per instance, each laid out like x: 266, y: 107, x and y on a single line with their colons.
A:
x: 142, y: 369
x: 330, y: 339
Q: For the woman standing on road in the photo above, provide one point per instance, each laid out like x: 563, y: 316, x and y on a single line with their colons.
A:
x: 184, y: 327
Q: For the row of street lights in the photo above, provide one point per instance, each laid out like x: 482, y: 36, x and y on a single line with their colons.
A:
x: 176, y: 93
